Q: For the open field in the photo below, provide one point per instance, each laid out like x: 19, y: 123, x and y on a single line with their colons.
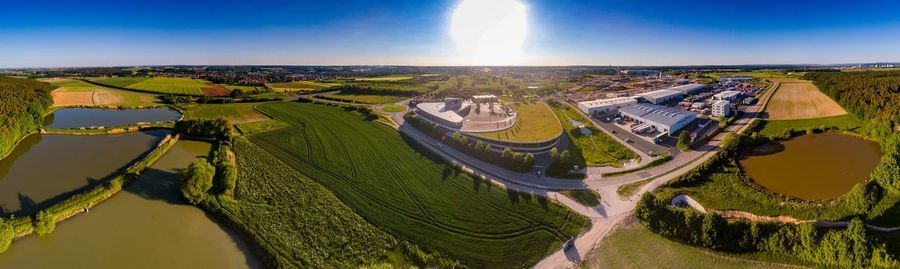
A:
x: 296, y: 220
x: 165, y: 85
x: 393, y: 108
x: 384, y: 78
x: 536, y: 122
x: 300, y: 86
x: 633, y: 246
x: 79, y: 93
x: 375, y: 171
x: 234, y: 113
x: 777, y: 127
x: 260, y: 126
x: 598, y: 149
x: 364, y: 98
x: 801, y: 100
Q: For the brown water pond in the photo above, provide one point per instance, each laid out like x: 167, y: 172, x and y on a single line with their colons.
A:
x: 812, y: 167
x: 147, y: 225
x: 43, y: 169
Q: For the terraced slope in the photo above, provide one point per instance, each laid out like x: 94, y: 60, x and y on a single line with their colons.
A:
x: 373, y: 170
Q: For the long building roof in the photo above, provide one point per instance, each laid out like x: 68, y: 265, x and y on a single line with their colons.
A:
x: 659, y: 94
x: 688, y: 88
x: 608, y: 102
x: 439, y: 110
x: 656, y: 113
x: 726, y: 94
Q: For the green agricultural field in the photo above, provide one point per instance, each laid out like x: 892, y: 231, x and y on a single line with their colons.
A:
x: 300, y: 86
x: 186, y: 86
x: 633, y: 246
x: 384, y: 78
x: 598, y: 149
x: 234, y: 113
x: 777, y: 127
x: 536, y: 122
x: 379, y: 174
x: 260, y: 126
x: 296, y: 220
x: 241, y: 87
x: 364, y: 98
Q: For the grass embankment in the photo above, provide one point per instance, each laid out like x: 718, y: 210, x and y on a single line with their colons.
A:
x: 77, y: 93
x: 379, y: 174
x: 234, y: 113
x: 584, y: 197
x: 536, y: 122
x: 627, y: 190
x: 81, y: 202
x: 597, y: 149
x: 778, y: 127
x: 165, y: 85
x: 300, y: 86
x: 362, y: 98
x: 110, y: 130
x: 633, y: 246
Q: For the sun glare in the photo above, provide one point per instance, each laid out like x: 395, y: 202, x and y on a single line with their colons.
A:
x: 490, y: 32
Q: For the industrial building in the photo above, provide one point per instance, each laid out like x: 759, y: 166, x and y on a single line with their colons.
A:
x: 601, y: 106
x: 727, y: 95
x: 735, y: 78
x: 449, y: 113
x: 664, y: 119
x: 689, y: 88
x: 660, y: 96
x: 642, y: 73
x: 487, y: 98
x: 721, y: 108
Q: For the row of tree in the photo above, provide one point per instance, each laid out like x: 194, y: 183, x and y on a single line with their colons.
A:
x: 853, y: 247
x: 23, y: 103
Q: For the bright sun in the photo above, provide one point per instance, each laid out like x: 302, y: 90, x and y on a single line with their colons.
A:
x: 490, y: 32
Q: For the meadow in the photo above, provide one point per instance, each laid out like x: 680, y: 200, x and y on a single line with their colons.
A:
x: 598, y: 149
x: 379, y: 174
x: 362, y: 98
x: 633, y: 246
x: 71, y: 92
x: 536, y: 122
x: 774, y: 128
x: 384, y: 78
x: 234, y: 113
x: 393, y: 108
x: 164, y: 85
x: 799, y: 99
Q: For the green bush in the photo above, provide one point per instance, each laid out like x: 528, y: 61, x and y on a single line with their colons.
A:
x: 44, y: 223
x: 7, y: 234
x: 196, y: 181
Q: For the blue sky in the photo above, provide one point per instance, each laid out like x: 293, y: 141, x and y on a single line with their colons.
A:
x: 560, y: 32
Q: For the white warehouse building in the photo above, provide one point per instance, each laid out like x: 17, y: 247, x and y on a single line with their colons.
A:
x: 662, y: 118
x: 660, y: 96
x: 727, y: 95
x: 689, y: 88
x: 605, y: 105
x: 721, y: 108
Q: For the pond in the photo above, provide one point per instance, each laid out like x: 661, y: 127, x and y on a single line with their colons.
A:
x: 147, y: 225
x: 68, y: 118
x: 43, y: 169
x: 812, y: 167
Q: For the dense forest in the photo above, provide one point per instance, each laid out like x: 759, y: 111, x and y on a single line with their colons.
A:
x: 871, y: 95
x: 23, y: 103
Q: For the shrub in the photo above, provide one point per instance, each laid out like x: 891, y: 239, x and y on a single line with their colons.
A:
x: 217, y: 129
x: 6, y: 234
x: 44, y: 223
x: 196, y: 181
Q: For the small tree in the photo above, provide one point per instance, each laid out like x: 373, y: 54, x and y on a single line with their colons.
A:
x: 507, y: 153
x: 554, y: 153
x: 529, y: 161
x: 229, y: 178
x: 44, y: 223
x: 564, y: 157
x: 196, y: 180
x: 6, y: 235
x: 684, y: 141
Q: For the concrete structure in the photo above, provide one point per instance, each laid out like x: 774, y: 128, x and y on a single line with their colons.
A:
x: 450, y: 113
x: 749, y: 100
x: 642, y: 72
x: 487, y: 98
x: 661, y: 118
x: 660, y: 96
x: 727, y: 95
x: 735, y: 78
x: 721, y: 108
x: 689, y: 88
x: 605, y: 105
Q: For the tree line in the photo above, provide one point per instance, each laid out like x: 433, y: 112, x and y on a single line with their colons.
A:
x: 23, y: 103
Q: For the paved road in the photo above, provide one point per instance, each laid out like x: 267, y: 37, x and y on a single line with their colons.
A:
x: 612, y: 208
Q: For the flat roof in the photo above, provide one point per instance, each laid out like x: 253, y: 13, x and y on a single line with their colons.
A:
x: 607, y: 102
x: 484, y: 96
x: 439, y: 110
x: 721, y: 103
x: 657, y: 113
x: 727, y: 94
x: 660, y: 94
x: 685, y: 89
